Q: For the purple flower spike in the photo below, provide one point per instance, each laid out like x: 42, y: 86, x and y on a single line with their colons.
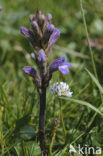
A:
x: 61, y: 65
x: 41, y: 56
x: 54, y: 37
x: 30, y: 71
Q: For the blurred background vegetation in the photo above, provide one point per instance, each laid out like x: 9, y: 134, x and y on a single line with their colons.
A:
x: 19, y: 106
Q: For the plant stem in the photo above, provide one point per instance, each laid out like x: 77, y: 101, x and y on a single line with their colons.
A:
x: 62, y: 120
x: 54, y: 135
x: 42, y: 136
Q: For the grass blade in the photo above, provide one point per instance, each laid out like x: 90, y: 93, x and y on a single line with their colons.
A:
x: 83, y: 103
x: 95, y: 81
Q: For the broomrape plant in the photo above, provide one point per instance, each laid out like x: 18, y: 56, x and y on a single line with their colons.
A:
x: 43, y: 37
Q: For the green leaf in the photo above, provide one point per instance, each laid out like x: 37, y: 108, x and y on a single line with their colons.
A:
x: 21, y: 122
x: 27, y: 132
x: 95, y: 81
x: 83, y: 103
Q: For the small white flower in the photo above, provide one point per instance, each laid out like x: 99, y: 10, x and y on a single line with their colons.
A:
x: 61, y: 89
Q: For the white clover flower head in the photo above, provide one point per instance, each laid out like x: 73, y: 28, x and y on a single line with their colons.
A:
x: 61, y: 89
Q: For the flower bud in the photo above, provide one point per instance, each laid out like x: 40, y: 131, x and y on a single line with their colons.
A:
x: 36, y: 28
x: 41, y: 56
x: 54, y: 36
x: 29, y: 35
x: 49, y: 17
x: 40, y: 18
x: 33, y: 73
x: 32, y: 18
x: 48, y: 31
x: 30, y: 71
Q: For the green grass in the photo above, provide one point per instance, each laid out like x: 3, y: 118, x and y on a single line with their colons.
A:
x: 78, y: 120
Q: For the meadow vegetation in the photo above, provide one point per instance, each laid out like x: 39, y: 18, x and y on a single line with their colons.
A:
x: 76, y: 120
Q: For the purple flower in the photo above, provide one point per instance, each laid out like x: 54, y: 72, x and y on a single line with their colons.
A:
x: 41, y: 56
x: 40, y: 18
x: 30, y: 71
x: 26, y: 32
x: 50, y: 28
x: 32, y: 18
x: 36, y: 28
x: 48, y: 31
x: 54, y: 37
x: 49, y: 17
x: 29, y: 35
x: 61, y: 65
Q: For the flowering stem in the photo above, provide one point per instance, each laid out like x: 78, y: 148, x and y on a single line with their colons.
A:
x: 55, y: 133
x: 43, y: 37
x: 61, y: 115
x: 42, y: 136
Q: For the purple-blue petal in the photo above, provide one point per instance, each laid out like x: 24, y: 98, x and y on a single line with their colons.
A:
x: 41, y: 56
x: 50, y: 27
x: 63, y: 69
x: 67, y: 64
x: 29, y: 70
x: 54, y: 37
x: 61, y: 65
x: 56, y: 63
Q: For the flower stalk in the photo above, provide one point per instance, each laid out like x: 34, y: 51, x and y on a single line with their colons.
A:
x: 42, y: 38
x: 42, y: 117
